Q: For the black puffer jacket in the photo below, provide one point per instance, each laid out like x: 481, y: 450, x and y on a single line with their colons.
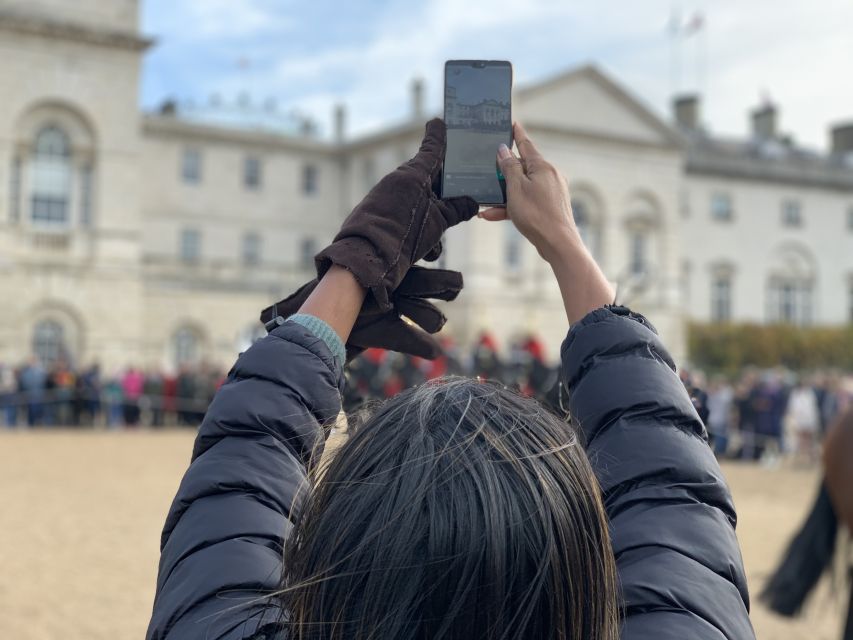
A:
x: 672, y: 515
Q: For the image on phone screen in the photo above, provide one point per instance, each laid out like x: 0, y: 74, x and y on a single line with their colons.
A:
x: 477, y: 111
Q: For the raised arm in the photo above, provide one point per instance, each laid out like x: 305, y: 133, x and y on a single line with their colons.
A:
x: 671, y: 512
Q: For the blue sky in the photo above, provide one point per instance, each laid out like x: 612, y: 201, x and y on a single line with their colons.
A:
x: 310, y: 55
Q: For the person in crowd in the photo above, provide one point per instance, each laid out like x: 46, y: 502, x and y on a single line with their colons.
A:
x: 132, y: 385
x: 9, y: 398
x: 720, y: 401
x: 486, y: 362
x: 459, y: 509
x: 89, y: 388
x: 33, y: 381
x: 170, y: 394
x: 185, y: 396
x: 153, y: 389
x: 804, y: 415
x: 114, y: 401
x: 64, y: 382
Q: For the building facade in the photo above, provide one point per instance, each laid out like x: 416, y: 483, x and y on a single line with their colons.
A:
x: 767, y: 225
x: 155, y: 239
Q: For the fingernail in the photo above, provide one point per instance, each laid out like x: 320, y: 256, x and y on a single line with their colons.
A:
x: 503, y: 152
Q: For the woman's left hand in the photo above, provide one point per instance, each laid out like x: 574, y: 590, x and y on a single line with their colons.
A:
x: 398, y: 223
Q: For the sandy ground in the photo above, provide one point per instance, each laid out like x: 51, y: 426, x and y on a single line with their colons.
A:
x: 81, y: 515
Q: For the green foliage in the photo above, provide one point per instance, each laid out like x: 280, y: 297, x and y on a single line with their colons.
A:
x: 728, y: 348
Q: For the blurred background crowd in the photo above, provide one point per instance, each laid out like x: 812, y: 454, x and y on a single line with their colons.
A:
x: 755, y: 415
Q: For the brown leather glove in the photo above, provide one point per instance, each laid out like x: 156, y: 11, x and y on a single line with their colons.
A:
x: 385, y: 329
x: 398, y: 223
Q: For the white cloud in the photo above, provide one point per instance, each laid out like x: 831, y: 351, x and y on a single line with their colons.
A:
x: 796, y: 50
x: 231, y: 19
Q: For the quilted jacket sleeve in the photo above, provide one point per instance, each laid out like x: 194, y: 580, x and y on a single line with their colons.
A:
x: 671, y: 513
x: 221, y: 546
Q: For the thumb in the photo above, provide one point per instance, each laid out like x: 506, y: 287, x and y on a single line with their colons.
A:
x: 510, y: 165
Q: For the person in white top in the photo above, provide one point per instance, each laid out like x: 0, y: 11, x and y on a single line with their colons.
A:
x: 804, y: 416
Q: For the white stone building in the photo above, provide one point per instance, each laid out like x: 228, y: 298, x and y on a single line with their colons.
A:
x: 767, y: 226
x: 157, y: 238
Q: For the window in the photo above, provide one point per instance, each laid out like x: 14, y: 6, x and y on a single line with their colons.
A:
x: 309, y: 179
x: 86, y: 195
x: 49, y: 342
x: 51, y: 177
x: 513, y: 242
x: 191, y: 166
x: 307, y: 250
x: 790, y: 301
x: 252, y: 172
x: 721, y: 298
x: 15, y: 190
x: 721, y: 207
x: 639, y: 252
x: 186, y: 345
x: 791, y: 214
x: 586, y: 226
x: 251, y: 249
x: 190, y: 248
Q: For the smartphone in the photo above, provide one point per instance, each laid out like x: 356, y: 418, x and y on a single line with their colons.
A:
x: 478, y: 115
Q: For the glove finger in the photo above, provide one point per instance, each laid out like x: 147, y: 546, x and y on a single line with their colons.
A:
x: 289, y: 305
x: 424, y: 314
x: 420, y: 282
x: 392, y: 333
x: 434, y: 253
x: 458, y: 209
x: 430, y: 156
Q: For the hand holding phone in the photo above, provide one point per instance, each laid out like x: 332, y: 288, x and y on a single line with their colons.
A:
x: 478, y: 115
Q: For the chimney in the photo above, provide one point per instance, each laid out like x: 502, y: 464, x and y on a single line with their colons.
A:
x: 686, y: 110
x: 417, y: 99
x: 169, y: 107
x: 842, y: 138
x: 340, y: 123
x: 764, y: 122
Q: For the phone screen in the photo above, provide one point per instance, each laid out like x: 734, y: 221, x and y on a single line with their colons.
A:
x: 477, y: 111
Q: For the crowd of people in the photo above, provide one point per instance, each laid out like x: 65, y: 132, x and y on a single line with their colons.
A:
x: 39, y: 395
x: 766, y: 415
x: 763, y: 415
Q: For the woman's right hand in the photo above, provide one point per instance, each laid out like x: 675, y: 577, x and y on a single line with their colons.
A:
x: 538, y: 200
x: 539, y: 205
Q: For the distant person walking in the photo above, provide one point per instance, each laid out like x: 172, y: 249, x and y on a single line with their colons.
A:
x: 34, y: 387
x: 803, y: 413
x: 132, y: 386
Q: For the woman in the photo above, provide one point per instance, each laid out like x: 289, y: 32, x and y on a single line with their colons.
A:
x: 459, y: 509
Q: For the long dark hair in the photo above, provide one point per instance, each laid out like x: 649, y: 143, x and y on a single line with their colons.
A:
x: 459, y: 510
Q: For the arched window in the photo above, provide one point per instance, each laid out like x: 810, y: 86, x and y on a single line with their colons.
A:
x: 586, y: 225
x: 187, y: 346
x: 643, y: 227
x: 51, y: 177
x: 49, y: 341
x: 53, y: 180
x: 790, y: 286
x: 588, y: 213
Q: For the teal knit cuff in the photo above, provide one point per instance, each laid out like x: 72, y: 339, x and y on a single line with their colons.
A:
x: 323, y: 331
